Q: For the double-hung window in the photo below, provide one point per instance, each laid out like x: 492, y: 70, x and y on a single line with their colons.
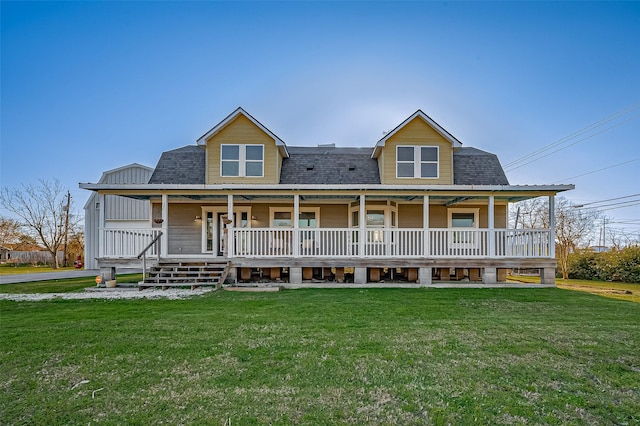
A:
x: 242, y: 160
x: 417, y: 162
x: 464, y: 222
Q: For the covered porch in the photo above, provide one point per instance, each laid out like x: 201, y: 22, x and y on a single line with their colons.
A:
x: 405, y: 228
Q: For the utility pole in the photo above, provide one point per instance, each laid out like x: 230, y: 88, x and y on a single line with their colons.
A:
x: 66, y: 229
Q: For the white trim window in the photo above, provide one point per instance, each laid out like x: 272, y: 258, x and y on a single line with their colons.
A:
x: 242, y: 160
x: 465, y: 223
x: 280, y: 217
x: 417, y: 162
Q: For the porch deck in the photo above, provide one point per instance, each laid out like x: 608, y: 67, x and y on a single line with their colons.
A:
x: 363, y: 249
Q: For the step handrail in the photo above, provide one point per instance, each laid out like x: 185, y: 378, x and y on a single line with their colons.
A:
x: 143, y: 254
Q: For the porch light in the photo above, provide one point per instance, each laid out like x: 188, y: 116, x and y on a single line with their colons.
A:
x: 254, y: 218
x: 197, y: 218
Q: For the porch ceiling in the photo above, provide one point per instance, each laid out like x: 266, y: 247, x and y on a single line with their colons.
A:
x: 447, y: 200
x: 445, y: 194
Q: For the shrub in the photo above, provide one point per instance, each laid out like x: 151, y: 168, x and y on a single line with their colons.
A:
x: 616, y: 265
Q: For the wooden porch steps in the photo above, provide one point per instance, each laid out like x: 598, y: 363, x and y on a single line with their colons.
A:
x: 186, y: 274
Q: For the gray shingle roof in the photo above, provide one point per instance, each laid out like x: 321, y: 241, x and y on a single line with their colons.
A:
x: 472, y: 166
x: 184, y: 165
x: 329, y: 165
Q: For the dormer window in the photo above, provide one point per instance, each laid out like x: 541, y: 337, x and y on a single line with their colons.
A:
x: 417, y: 162
x: 242, y: 160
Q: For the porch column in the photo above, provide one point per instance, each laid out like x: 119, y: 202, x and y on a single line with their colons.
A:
x: 491, y: 225
x: 164, y: 239
x: 230, y: 225
x: 296, y: 225
x: 424, y: 273
x: 360, y: 274
x: 552, y: 226
x: 548, y: 275
x: 362, y: 232
x: 425, y: 225
x: 101, y: 234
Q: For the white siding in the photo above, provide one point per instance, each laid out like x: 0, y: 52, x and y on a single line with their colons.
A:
x: 127, y: 212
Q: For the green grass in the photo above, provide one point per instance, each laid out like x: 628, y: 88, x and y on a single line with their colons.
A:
x: 376, y: 356
x: 614, y: 290
x: 7, y: 269
x: 66, y: 285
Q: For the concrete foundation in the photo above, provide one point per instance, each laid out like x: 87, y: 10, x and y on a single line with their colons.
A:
x: 108, y: 273
x: 424, y: 276
x: 232, y: 276
x: 490, y: 276
x: 548, y: 276
x: 360, y: 275
x: 295, y: 275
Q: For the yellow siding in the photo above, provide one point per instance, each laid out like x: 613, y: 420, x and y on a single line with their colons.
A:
x: 242, y: 131
x: 410, y: 215
x: 334, y: 216
x: 416, y: 132
x: 331, y: 216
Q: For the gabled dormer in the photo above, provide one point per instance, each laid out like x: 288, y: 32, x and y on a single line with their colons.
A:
x: 240, y: 149
x: 418, y: 151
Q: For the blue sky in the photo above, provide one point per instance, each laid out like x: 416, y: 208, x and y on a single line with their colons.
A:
x: 91, y: 86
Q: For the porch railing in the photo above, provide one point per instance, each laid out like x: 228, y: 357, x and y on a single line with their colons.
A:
x: 127, y: 243
x: 352, y: 242
x: 385, y: 243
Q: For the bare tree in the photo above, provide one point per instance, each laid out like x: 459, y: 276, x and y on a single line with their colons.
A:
x: 43, y: 209
x: 574, y: 226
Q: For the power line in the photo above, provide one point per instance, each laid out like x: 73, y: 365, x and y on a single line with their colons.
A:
x: 607, y: 205
x: 609, y: 199
x: 573, y: 135
x: 620, y: 207
x: 574, y: 143
x: 599, y: 170
x: 594, y: 125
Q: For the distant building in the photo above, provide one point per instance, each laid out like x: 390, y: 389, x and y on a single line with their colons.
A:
x: 117, y: 212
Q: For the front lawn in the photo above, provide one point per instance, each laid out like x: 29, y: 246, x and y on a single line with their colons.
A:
x: 66, y: 285
x: 615, y: 290
x: 9, y: 268
x: 376, y: 356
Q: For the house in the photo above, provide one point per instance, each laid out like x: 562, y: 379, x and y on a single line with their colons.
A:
x: 117, y: 212
x: 415, y: 206
x: 26, y: 252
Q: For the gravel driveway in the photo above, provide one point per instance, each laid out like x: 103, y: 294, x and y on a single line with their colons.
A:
x: 115, y: 294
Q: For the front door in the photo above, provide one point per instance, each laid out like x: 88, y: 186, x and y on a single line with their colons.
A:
x: 215, y: 239
x: 220, y: 231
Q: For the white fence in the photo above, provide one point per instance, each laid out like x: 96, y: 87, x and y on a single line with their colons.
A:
x: 126, y: 243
